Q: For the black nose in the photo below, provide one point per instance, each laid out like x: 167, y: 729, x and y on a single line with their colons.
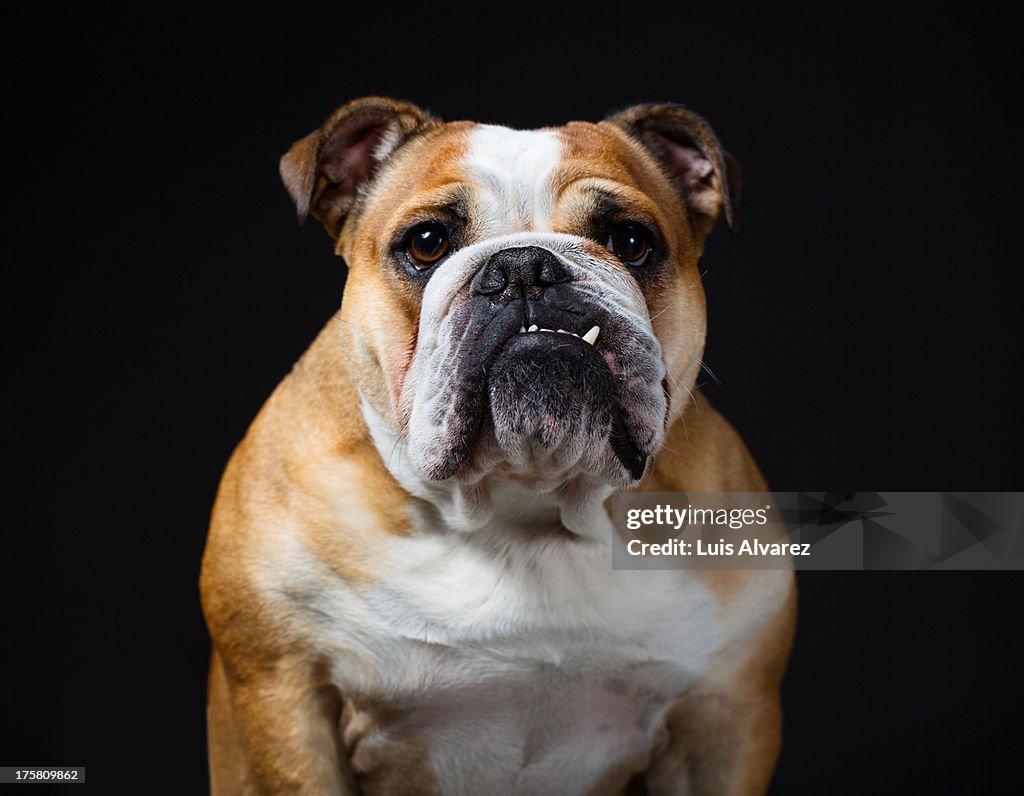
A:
x: 519, y: 273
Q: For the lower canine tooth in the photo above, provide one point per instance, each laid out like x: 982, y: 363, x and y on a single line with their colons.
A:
x: 591, y: 336
x: 522, y: 329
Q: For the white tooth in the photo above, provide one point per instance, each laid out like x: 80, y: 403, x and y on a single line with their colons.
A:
x: 591, y: 336
x: 533, y: 328
x: 547, y: 330
x: 522, y: 329
x: 562, y: 331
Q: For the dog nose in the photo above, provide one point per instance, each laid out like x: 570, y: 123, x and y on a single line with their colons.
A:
x: 521, y: 272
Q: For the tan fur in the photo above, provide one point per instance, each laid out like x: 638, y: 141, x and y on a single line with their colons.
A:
x: 603, y: 154
x: 386, y: 319
x: 307, y: 483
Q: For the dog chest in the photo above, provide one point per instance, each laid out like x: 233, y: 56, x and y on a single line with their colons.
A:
x: 544, y: 672
x: 530, y: 729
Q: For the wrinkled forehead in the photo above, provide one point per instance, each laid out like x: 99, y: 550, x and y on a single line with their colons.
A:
x: 505, y: 180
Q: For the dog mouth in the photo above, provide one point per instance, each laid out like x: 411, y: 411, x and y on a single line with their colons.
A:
x: 554, y: 400
x: 590, y: 337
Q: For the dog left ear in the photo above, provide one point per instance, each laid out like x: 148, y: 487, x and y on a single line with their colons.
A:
x: 685, y: 145
x: 324, y: 171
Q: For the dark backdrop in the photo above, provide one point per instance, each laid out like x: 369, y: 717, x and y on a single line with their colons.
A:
x: 862, y: 326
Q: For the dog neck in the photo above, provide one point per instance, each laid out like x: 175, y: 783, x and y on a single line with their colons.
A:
x: 573, y: 504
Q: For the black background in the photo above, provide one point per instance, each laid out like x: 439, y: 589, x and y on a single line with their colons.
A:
x: 862, y: 325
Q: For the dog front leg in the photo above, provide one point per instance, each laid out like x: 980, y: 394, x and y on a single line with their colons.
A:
x: 718, y: 745
x: 724, y: 735
x: 275, y: 732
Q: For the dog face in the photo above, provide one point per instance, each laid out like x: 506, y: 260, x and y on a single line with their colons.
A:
x: 525, y: 303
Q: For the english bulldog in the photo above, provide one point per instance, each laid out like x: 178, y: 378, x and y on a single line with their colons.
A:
x: 408, y: 578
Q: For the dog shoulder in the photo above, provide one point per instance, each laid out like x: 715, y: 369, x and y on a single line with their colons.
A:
x: 299, y: 509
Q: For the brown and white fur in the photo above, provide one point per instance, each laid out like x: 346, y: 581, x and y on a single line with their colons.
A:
x: 408, y: 576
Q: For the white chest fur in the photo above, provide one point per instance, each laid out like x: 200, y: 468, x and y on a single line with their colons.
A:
x: 530, y: 666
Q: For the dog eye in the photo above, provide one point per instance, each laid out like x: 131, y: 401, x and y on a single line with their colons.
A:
x: 428, y: 243
x: 631, y: 242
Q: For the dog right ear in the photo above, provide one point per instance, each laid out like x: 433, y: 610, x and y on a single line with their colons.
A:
x: 707, y: 177
x: 324, y: 171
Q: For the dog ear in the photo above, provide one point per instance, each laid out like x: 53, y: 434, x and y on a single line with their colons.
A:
x: 685, y: 145
x: 324, y: 171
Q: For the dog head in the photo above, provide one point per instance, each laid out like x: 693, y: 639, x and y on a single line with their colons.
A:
x: 519, y: 303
